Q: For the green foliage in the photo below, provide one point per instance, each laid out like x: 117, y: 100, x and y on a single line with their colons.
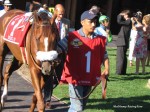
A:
x: 125, y: 93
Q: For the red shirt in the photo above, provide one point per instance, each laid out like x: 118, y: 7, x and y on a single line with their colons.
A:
x: 84, y: 59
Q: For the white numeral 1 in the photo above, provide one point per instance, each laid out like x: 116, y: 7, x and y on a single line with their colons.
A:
x: 88, y: 61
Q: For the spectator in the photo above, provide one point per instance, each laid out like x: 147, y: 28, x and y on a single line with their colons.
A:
x: 85, y: 54
x: 103, y: 29
x: 27, y: 8
x: 148, y: 38
x: 35, y: 6
x: 7, y: 7
x: 31, y: 7
x: 95, y: 9
x: 45, y: 9
x: 133, y: 36
x: 1, y: 5
x: 132, y: 42
x: 62, y: 23
x: 122, y: 41
x: 140, y: 50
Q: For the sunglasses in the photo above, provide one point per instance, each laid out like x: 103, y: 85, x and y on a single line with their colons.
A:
x: 7, y: 5
x: 106, y: 20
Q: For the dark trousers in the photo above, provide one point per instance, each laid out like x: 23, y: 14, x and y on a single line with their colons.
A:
x: 121, y: 61
x: 48, y: 88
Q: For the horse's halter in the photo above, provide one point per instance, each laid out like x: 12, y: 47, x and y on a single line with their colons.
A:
x: 44, y: 24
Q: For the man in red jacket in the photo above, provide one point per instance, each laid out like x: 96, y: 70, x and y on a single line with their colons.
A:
x: 85, y: 54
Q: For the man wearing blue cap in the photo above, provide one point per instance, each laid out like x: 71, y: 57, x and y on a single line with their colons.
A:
x: 85, y: 54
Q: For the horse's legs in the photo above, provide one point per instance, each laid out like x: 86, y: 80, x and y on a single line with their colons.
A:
x: 3, y: 53
x: 1, y: 67
x: 36, y: 82
x: 12, y: 66
x: 104, y: 86
x: 34, y: 99
x: 34, y: 102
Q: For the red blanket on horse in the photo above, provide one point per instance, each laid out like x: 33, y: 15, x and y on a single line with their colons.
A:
x: 17, y: 28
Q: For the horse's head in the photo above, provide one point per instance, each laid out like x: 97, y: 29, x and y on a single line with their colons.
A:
x: 44, y: 36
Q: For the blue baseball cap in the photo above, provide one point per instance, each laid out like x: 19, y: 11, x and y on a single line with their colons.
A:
x: 88, y: 15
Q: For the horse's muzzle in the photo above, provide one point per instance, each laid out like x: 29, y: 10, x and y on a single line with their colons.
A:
x: 46, y: 67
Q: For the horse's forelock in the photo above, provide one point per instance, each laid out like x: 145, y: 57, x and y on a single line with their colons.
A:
x: 44, y: 29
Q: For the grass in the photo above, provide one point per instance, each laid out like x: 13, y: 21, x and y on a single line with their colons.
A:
x: 128, y: 93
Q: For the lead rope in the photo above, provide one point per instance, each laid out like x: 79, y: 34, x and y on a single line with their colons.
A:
x: 98, y: 82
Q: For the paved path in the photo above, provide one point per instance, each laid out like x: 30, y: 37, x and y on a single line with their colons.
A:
x: 20, y: 95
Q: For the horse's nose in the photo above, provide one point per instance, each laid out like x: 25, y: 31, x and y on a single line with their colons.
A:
x: 47, y: 72
x: 46, y: 68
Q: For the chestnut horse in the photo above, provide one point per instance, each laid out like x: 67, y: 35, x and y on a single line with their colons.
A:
x: 40, y: 41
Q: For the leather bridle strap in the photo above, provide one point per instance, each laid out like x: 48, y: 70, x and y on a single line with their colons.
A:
x: 35, y: 63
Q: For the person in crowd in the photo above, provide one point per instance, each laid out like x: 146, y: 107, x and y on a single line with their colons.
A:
x: 7, y: 7
x: 148, y: 38
x: 122, y: 41
x: 140, y: 49
x: 33, y: 6
x: 95, y: 9
x: 27, y: 8
x: 44, y: 8
x: 1, y: 5
x: 63, y: 25
x: 133, y: 36
x: 103, y: 29
x: 85, y: 54
x: 132, y: 42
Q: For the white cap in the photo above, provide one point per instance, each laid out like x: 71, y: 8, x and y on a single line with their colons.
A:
x: 7, y: 2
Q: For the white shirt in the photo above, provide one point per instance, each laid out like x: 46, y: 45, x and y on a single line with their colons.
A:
x: 2, y: 12
x: 62, y: 29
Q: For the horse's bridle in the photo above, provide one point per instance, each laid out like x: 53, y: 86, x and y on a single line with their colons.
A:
x: 33, y: 25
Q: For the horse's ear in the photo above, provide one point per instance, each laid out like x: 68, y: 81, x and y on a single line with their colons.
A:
x: 35, y: 16
x: 54, y: 17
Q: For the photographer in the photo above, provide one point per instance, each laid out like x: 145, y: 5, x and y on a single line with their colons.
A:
x: 122, y: 41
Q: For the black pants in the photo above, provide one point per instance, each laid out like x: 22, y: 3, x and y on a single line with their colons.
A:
x: 48, y: 88
x: 121, y: 61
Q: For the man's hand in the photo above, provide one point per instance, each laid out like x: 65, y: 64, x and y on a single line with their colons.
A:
x: 105, y: 72
x: 106, y: 69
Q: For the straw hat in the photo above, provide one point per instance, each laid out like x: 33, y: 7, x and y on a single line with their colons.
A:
x: 7, y: 2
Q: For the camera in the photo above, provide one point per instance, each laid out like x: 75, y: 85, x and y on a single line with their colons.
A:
x: 137, y: 15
